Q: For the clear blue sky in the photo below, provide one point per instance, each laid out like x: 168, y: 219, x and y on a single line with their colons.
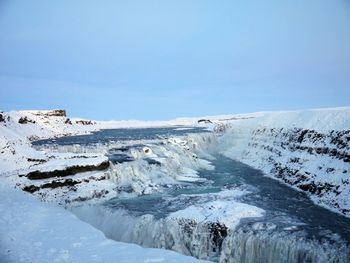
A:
x: 164, y: 59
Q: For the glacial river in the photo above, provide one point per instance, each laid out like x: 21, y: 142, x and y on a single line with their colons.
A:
x: 292, y: 228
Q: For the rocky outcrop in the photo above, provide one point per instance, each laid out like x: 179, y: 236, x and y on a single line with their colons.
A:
x: 204, y: 121
x: 57, y: 113
x: 84, y: 122
x: 59, y: 183
x: 68, y: 121
x: 25, y: 120
x: 2, y: 117
x: 48, y: 113
x: 71, y: 170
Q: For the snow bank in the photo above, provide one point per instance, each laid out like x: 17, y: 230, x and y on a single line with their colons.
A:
x: 31, y: 231
x: 223, y: 209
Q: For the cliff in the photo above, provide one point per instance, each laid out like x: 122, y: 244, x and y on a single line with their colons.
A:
x: 309, y: 150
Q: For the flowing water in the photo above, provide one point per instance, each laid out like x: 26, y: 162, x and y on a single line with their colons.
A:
x: 291, y: 229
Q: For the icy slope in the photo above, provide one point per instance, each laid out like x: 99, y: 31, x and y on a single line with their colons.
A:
x: 309, y: 150
x: 31, y: 231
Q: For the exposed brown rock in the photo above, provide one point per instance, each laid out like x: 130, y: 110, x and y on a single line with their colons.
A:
x: 57, y: 113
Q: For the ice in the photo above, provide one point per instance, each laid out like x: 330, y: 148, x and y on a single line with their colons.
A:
x: 249, y: 246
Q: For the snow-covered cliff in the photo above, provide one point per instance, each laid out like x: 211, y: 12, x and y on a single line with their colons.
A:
x: 309, y: 150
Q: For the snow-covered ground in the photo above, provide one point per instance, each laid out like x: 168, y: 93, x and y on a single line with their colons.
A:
x: 33, y: 231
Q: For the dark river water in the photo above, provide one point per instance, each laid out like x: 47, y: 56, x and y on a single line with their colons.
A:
x: 293, y: 228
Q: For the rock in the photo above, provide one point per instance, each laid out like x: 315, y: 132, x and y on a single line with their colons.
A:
x: 84, y: 122
x: 302, y: 135
x: 52, y: 185
x: 218, y: 232
x: 147, y: 150
x: 68, y: 121
x: 204, y: 121
x: 25, y: 120
x: 31, y: 188
x: 56, y: 113
x: 68, y: 171
x: 2, y: 117
x: 36, y: 160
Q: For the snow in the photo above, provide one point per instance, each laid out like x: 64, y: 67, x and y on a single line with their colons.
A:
x: 228, y: 213
x: 32, y: 231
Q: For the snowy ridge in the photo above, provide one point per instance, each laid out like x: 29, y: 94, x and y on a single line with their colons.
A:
x: 309, y: 150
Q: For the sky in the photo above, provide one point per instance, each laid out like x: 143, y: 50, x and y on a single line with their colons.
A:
x: 156, y: 60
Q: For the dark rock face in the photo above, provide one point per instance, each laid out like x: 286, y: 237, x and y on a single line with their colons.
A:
x: 25, y: 120
x: 2, y: 117
x: 212, y: 236
x: 219, y: 232
x: 68, y: 121
x: 52, y: 185
x: 84, y: 122
x: 68, y: 171
x: 36, y: 160
x: 56, y: 113
x: 306, y: 148
x: 70, y: 183
x: 204, y: 121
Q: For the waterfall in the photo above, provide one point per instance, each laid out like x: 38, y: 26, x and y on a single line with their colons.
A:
x: 213, y: 241
x: 248, y: 246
